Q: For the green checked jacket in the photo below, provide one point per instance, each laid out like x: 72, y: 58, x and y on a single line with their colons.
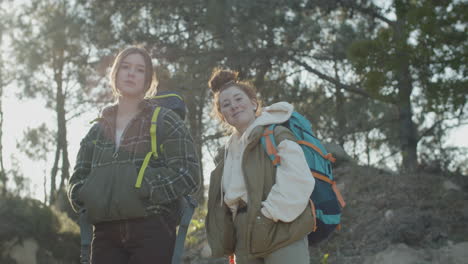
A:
x: 104, y: 177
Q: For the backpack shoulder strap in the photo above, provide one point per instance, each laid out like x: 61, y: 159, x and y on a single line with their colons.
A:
x: 168, y: 100
x: 273, y: 134
x: 86, y: 236
x: 189, y: 206
x: 153, y: 130
x: 269, y: 144
x: 154, y: 146
x: 166, y: 96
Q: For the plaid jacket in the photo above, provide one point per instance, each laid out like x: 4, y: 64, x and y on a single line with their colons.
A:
x: 166, y: 180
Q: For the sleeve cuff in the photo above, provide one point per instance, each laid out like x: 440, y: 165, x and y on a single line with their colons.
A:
x: 267, y: 214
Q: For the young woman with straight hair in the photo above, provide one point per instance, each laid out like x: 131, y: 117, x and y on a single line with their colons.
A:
x: 133, y: 223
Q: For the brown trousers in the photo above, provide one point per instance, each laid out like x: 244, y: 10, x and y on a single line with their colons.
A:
x: 147, y: 240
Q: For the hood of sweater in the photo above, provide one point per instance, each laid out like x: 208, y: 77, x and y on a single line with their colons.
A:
x: 274, y: 114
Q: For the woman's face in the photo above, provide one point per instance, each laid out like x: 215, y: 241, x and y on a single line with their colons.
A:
x: 237, y: 108
x: 131, y: 76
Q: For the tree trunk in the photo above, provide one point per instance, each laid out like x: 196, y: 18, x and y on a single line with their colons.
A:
x: 53, y: 175
x: 45, y: 186
x: 62, y: 137
x: 62, y: 151
x: 3, y: 176
x: 407, y: 130
x: 340, y: 113
x: 195, y: 113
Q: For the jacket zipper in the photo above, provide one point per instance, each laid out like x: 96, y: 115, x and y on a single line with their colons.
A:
x: 115, y: 155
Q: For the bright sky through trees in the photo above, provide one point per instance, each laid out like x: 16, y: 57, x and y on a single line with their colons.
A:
x: 31, y: 113
x: 20, y: 114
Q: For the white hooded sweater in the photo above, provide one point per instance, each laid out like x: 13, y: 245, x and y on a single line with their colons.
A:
x: 294, y: 183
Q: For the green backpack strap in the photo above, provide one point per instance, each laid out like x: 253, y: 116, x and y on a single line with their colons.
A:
x: 154, y: 146
x: 167, y: 95
x: 189, y: 203
x: 153, y: 133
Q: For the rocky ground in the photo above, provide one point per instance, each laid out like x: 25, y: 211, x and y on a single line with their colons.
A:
x: 409, y: 218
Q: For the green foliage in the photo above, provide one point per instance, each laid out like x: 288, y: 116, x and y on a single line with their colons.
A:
x: 373, y: 81
x: 50, y: 48
x: 66, y: 225
x: 419, y: 52
x: 196, y: 232
x: 352, y: 42
x: 428, y: 42
x: 52, y: 53
x: 324, y: 260
x: 29, y: 217
x: 36, y: 143
x: 56, y: 234
x: 21, y: 182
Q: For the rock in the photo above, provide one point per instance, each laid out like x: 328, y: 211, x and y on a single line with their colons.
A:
x: 409, y: 227
x: 206, y: 251
x: 402, y: 254
x: 25, y: 253
x: 459, y: 253
x: 464, y: 209
x: 448, y: 185
x: 389, y: 214
x: 338, y: 152
x: 453, y: 254
x: 399, y: 253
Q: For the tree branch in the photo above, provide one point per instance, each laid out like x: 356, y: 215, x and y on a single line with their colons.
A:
x: 429, y: 130
x: 213, y: 136
x: 387, y: 156
x: 366, y: 10
x: 350, y: 88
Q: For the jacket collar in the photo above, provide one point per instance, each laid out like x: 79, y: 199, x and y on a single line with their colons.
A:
x: 110, y: 112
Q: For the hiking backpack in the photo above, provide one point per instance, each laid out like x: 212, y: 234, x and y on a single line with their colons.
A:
x: 326, y: 200
x: 169, y: 100
x: 188, y: 204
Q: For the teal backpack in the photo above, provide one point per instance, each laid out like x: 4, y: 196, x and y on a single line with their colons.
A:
x: 326, y: 200
x: 188, y: 204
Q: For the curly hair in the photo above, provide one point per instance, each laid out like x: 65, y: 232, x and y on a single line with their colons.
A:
x: 222, y: 79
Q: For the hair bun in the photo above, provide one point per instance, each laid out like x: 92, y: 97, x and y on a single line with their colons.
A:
x: 220, y: 78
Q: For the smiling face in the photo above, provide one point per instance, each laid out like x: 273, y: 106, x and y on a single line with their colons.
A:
x: 130, y: 79
x: 237, y: 108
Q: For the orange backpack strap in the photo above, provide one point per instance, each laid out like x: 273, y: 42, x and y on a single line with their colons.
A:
x: 339, y: 197
x: 329, y: 156
x: 269, y: 143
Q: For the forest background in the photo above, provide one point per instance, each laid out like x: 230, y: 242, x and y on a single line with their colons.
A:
x: 385, y: 80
